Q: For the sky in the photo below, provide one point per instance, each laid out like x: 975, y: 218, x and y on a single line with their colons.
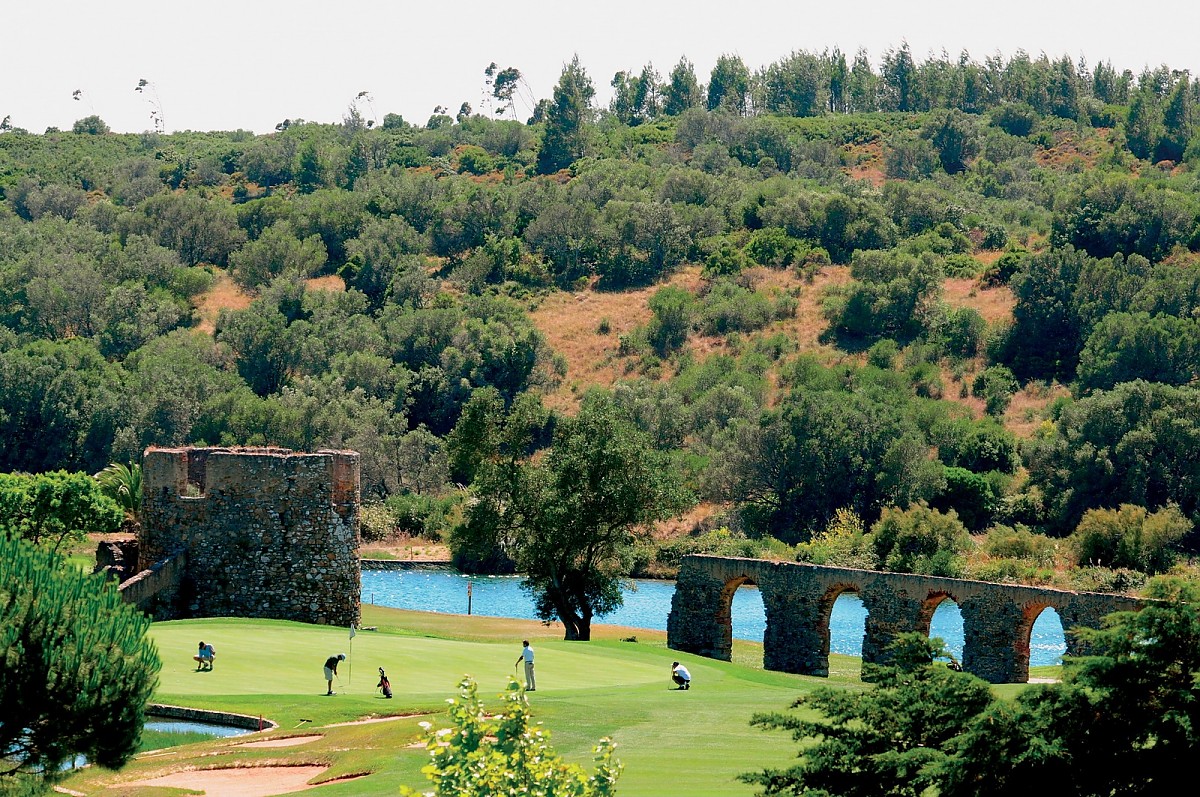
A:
x: 249, y: 64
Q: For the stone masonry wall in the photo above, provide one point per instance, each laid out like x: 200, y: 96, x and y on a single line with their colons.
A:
x: 267, y: 532
x: 798, y: 598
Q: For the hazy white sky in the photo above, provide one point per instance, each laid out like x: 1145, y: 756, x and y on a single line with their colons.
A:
x: 227, y: 64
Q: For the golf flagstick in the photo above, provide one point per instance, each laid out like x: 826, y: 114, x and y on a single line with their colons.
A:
x: 350, y: 675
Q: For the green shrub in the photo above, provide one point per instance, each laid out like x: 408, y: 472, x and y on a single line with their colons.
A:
x: 843, y: 543
x: 1129, y: 537
x: 422, y: 515
x: 376, y: 522
x: 921, y: 540
x: 719, y: 542
x: 996, y: 386
x: 1006, y: 542
x: 475, y: 160
x: 969, y: 495
x: 1106, y: 579
x: 1009, y: 571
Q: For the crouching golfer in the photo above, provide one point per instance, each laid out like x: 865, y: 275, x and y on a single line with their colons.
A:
x: 331, y: 664
x: 680, y: 675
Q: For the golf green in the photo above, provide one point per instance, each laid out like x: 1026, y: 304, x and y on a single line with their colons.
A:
x: 670, y: 742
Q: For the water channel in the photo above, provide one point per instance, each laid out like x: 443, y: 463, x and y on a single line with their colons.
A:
x: 648, y: 602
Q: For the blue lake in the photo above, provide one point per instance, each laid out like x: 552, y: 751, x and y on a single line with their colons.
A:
x: 647, y: 604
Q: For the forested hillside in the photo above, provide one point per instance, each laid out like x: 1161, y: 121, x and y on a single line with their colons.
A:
x: 861, y: 311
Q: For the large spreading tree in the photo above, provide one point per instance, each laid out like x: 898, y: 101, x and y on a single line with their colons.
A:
x: 569, y: 519
x: 76, y: 668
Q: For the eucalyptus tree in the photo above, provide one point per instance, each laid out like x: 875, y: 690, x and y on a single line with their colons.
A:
x: 567, y: 119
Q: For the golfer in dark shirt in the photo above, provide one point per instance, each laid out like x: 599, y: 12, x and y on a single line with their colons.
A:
x: 331, y: 669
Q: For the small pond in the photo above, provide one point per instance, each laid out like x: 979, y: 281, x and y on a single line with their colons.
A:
x: 647, y: 603
x: 172, y: 725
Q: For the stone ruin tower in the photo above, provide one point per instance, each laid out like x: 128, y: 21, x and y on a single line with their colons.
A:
x: 249, y: 532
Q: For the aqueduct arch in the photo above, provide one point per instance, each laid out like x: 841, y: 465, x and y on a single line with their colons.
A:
x: 797, y: 597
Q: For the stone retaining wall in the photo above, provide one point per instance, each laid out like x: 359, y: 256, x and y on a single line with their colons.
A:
x: 405, y: 564
x: 203, y: 715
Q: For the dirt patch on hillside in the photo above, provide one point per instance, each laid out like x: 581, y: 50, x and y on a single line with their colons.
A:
x: 1072, y: 152
x: 867, y: 162
x: 412, y: 549
x: 571, y: 322
x: 330, y: 282
x: 994, y: 304
x: 225, y: 294
x: 1027, y: 410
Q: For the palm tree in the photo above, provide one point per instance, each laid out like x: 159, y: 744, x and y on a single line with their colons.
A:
x: 123, y: 483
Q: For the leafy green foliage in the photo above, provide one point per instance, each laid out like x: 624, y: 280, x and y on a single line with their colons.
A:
x: 1133, y: 444
x: 567, y: 119
x: 51, y: 508
x: 823, y: 450
x: 1122, y: 722
x: 123, y: 483
x: 490, y: 753
x: 843, y: 543
x: 920, y: 540
x: 570, y: 520
x: 894, y: 296
x: 1129, y: 537
x: 883, y: 741
x: 76, y: 668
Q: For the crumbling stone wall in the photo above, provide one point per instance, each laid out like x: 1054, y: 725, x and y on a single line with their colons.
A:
x: 266, y: 532
x: 798, y: 599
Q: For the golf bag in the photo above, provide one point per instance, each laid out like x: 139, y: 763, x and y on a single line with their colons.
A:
x: 384, y: 683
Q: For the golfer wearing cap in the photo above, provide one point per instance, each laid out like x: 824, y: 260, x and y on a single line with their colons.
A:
x: 527, y: 656
x: 331, y: 669
x: 680, y: 675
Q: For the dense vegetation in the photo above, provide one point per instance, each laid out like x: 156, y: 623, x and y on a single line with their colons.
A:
x: 820, y: 182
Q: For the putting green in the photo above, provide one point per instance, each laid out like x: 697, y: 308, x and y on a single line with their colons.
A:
x: 256, y: 658
x: 671, y: 742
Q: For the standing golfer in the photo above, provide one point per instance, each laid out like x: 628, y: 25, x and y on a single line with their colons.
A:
x: 331, y: 664
x: 527, y: 655
x: 680, y: 675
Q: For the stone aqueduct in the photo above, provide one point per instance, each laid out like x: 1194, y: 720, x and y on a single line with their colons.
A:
x: 798, y: 598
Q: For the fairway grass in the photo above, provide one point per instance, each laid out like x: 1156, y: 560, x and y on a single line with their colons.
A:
x: 670, y: 742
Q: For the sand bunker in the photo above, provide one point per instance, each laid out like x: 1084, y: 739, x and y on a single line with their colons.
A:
x: 373, y: 719
x: 240, y: 781
x: 287, y: 741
